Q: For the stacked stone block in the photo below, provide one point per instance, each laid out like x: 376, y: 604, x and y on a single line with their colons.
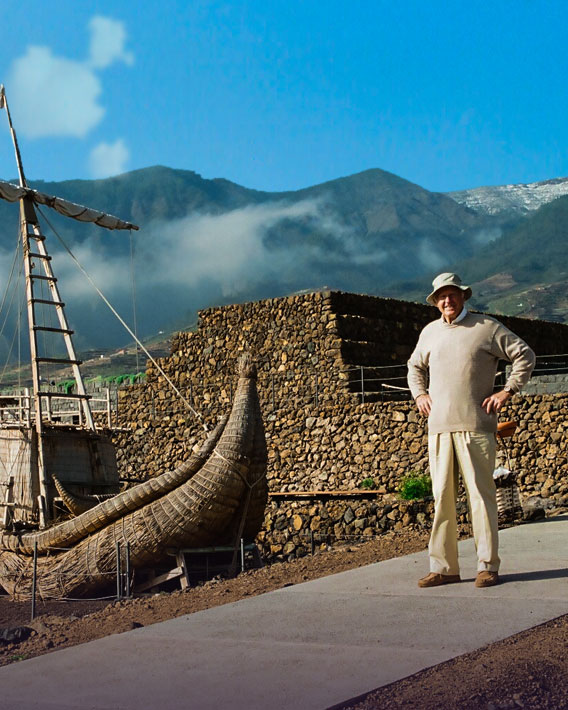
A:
x: 320, y: 437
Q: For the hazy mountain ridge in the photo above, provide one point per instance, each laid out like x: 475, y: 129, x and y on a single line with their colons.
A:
x: 524, y: 273
x: 204, y: 242
x: 207, y: 242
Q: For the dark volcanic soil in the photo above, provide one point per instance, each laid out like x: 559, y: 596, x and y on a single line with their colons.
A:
x: 529, y: 670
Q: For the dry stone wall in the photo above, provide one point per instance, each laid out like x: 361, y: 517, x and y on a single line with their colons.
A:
x: 320, y: 438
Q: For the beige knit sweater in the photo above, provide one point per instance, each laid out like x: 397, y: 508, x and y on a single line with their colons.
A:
x: 456, y: 364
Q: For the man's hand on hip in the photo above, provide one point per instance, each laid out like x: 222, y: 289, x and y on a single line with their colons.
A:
x: 495, y: 402
x: 424, y: 404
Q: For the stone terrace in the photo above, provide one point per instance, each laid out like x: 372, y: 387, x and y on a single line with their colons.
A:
x: 321, y: 435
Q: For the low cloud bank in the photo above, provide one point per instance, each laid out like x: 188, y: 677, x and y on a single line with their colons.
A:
x: 203, y: 259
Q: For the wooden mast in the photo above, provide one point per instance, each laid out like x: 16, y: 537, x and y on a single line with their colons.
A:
x: 35, y: 253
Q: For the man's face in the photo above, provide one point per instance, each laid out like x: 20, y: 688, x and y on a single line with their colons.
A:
x: 450, y: 300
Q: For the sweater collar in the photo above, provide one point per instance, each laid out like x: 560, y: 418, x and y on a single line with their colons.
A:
x: 461, y: 316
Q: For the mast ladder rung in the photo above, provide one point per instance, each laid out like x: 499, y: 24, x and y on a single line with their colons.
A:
x: 41, y: 277
x: 48, y: 329
x: 47, y: 302
x: 58, y: 361
x: 63, y: 395
x: 33, y: 255
x: 37, y: 237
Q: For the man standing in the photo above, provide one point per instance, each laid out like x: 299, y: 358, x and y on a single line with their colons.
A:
x: 451, y: 375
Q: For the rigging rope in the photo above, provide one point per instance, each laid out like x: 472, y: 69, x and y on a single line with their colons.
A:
x: 13, y: 293
x: 16, y: 335
x: 4, y: 296
x: 133, y: 287
x: 123, y: 322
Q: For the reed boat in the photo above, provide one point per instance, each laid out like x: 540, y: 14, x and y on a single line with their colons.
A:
x: 216, y: 497
x: 47, y: 460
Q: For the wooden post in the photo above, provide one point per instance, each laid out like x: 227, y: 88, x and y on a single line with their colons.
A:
x: 109, y: 421
x: 34, y: 582
x: 118, y: 573
x: 8, y: 503
x: 28, y: 406
x: 127, y: 580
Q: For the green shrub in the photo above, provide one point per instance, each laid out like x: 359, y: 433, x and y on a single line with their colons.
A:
x: 368, y: 483
x: 415, y: 485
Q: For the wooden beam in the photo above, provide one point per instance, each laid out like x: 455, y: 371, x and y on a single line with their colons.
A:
x: 160, y: 579
x: 364, y: 493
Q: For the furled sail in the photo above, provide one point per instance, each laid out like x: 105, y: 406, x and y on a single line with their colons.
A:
x: 13, y: 193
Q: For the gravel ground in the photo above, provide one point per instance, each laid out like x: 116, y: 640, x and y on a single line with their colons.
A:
x: 529, y: 670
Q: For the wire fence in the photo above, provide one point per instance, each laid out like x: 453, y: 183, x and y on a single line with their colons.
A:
x: 123, y: 574
x: 310, y: 388
x: 305, y: 388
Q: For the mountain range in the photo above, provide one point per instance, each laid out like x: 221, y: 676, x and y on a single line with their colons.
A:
x: 524, y: 272
x: 512, y: 200
x: 208, y: 242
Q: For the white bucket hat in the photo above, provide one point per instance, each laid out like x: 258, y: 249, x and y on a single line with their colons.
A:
x: 444, y: 280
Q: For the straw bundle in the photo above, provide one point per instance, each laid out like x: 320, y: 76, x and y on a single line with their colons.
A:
x: 224, y: 491
x: 77, y: 504
x: 70, y: 532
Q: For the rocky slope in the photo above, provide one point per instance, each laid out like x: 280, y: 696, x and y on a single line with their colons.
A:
x: 511, y: 200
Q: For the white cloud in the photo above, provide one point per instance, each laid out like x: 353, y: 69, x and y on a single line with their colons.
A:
x: 486, y: 236
x: 193, y: 262
x: 227, y: 252
x: 226, y: 249
x: 52, y: 95
x: 110, y: 275
x: 108, y: 159
x: 430, y: 258
x: 230, y: 255
x: 108, y: 38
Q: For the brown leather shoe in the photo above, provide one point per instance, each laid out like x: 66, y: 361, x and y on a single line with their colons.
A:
x: 486, y: 579
x: 435, y: 580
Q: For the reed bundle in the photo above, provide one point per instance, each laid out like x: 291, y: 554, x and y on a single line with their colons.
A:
x: 216, y: 494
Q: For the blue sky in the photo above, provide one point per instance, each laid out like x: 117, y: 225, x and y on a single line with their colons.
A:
x: 279, y: 95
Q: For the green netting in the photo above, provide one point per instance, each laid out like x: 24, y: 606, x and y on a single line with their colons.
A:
x: 69, y: 385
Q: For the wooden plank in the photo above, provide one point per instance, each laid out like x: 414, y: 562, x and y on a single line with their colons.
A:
x: 58, y: 361
x: 62, y: 395
x: 182, y: 564
x: 160, y: 579
x: 320, y: 494
x: 203, y: 550
x: 8, y: 502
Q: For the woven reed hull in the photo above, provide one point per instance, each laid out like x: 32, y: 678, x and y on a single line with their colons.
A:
x: 206, y: 509
x: 253, y: 507
x: 72, y: 531
x: 78, y: 504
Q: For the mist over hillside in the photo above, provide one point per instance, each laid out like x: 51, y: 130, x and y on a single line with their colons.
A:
x: 523, y: 273
x: 209, y: 242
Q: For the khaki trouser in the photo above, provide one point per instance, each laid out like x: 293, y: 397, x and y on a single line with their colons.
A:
x: 473, y: 453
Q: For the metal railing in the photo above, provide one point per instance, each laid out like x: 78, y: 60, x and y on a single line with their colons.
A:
x: 56, y: 407
x: 306, y: 387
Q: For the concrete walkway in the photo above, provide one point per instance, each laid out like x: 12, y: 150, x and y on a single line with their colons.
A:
x: 308, y: 646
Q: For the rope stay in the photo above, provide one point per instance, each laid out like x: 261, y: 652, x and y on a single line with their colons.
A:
x: 133, y: 289
x: 129, y: 330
